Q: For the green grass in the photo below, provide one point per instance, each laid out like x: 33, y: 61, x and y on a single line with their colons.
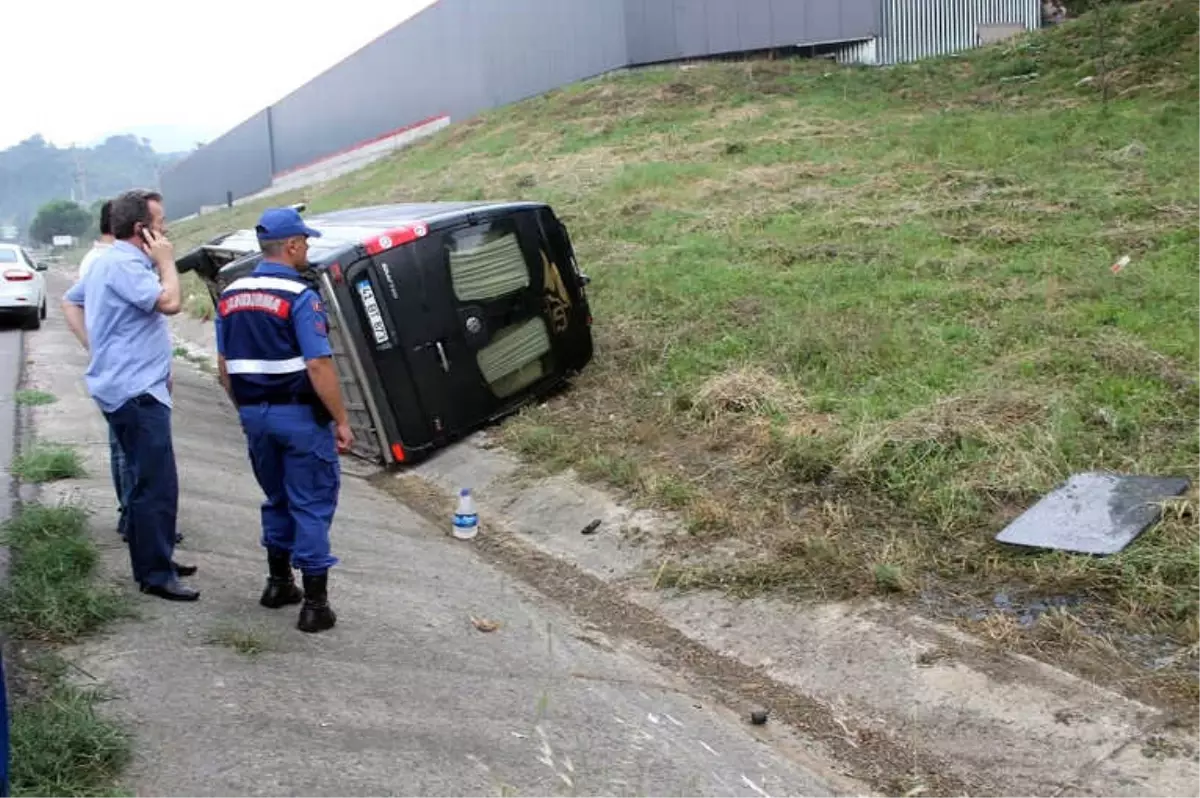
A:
x: 244, y: 640
x: 60, y: 745
x: 33, y: 398
x: 51, y: 593
x: 852, y: 321
x: 45, y: 462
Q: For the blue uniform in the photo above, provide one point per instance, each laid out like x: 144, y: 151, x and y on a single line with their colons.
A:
x: 269, y: 324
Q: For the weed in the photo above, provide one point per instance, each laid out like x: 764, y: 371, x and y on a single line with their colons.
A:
x: 60, y: 745
x: 197, y: 301
x: 243, y: 640
x: 33, y: 398
x: 51, y: 593
x: 46, y: 462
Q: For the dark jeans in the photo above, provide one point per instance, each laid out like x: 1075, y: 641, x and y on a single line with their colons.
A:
x: 121, y: 479
x: 143, y: 429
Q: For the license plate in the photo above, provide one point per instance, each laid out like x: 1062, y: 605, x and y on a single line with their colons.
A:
x: 373, y: 315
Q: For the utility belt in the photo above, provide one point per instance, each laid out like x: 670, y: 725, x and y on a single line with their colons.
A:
x: 320, y: 412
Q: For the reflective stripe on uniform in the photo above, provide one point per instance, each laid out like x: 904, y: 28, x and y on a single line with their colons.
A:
x: 289, y: 366
x: 268, y: 283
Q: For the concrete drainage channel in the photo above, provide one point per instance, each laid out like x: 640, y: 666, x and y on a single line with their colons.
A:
x: 899, y: 704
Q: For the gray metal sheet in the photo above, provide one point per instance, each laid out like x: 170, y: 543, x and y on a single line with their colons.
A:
x: 691, y: 27
x: 1093, y: 513
x: 459, y: 57
x: 723, y: 27
x: 754, y: 24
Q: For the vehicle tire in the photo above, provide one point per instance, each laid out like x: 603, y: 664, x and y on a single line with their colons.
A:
x: 34, y: 321
x: 42, y: 312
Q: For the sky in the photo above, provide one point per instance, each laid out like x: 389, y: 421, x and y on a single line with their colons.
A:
x: 205, y: 70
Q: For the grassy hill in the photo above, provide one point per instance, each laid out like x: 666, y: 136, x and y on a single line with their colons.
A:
x: 852, y: 321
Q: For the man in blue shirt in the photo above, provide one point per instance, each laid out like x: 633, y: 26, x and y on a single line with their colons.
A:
x: 118, y: 312
x: 277, y: 367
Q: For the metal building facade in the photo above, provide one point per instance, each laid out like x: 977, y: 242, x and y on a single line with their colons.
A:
x: 239, y: 161
x: 915, y: 29
x: 460, y: 57
x: 669, y: 30
x: 456, y: 57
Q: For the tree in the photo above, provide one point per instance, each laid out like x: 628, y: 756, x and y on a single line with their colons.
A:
x: 59, y: 218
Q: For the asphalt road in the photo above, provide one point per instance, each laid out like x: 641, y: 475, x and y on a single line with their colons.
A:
x: 405, y: 695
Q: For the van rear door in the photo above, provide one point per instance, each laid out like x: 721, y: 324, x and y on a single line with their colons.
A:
x: 464, y: 304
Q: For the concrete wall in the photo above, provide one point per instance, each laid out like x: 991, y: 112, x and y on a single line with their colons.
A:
x: 460, y: 57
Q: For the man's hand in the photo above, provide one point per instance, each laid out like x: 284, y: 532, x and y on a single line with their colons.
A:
x: 159, y: 248
x: 345, y: 438
x: 73, y: 314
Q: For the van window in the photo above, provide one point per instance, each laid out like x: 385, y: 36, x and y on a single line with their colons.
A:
x: 516, y: 357
x: 486, y: 261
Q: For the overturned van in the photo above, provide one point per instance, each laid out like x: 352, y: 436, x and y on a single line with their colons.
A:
x: 443, y: 317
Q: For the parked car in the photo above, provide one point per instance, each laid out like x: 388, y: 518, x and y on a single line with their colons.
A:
x: 22, y: 285
x: 443, y: 317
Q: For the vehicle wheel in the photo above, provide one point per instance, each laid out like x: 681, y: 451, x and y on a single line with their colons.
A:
x: 42, y: 312
x: 35, y: 321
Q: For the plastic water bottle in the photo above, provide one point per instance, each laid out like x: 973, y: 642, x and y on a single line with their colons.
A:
x: 466, y: 520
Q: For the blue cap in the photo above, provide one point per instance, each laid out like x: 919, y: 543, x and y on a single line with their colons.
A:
x: 279, y: 223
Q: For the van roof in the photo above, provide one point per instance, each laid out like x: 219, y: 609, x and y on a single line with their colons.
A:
x: 351, y: 227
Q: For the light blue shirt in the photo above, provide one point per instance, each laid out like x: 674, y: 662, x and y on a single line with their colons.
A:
x: 130, y: 341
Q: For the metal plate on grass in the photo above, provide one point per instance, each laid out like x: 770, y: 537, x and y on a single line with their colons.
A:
x: 1093, y: 513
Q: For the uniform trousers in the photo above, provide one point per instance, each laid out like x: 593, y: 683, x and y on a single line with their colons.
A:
x: 295, y: 461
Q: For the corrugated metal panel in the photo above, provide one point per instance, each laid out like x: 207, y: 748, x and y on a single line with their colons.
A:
x: 666, y: 30
x: 914, y: 29
x: 866, y: 52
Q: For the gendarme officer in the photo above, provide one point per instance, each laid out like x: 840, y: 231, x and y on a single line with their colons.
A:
x: 277, y: 366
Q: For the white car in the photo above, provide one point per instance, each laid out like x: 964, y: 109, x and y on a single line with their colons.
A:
x: 22, y: 285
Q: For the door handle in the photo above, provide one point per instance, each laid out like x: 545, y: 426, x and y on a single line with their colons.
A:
x: 442, y: 357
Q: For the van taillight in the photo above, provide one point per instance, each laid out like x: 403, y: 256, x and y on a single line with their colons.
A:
x: 398, y: 452
x: 17, y: 274
x: 394, y: 238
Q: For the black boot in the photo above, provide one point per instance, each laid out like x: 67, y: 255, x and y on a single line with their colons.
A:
x: 316, y: 615
x: 281, y: 587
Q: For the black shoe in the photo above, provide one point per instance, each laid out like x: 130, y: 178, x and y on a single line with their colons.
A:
x: 172, y: 591
x: 281, y: 587
x: 316, y: 615
x: 184, y: 570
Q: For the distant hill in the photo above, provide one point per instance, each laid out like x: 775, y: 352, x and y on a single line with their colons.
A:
x: 167, y: 138
x: 35, y: 171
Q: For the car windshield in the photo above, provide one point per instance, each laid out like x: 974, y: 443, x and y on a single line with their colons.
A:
x: 8, y: 255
